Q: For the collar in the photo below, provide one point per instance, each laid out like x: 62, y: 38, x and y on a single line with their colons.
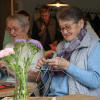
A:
x: 88, y: 38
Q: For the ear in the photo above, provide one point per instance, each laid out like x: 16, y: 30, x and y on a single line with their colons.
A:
x: 81, y: 23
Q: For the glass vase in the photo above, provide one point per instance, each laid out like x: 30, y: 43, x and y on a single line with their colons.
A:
x: 21, y: 87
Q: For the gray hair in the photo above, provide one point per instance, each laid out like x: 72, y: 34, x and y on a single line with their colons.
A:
x: 22, y: 20
x: 71, y: 13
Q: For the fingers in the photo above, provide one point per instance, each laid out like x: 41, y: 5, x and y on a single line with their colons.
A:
x: 58, y: 62
x: 2, y: 64
x: 40, y: 63
x: 53, y: 62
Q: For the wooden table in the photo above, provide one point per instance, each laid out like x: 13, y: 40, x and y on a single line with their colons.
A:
x: 78, y: 97
x: 10, y: 91
x: 31, y: 86
x: 71, y: 97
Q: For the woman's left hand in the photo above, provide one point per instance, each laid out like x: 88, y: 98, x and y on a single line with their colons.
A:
x: 58, y: 62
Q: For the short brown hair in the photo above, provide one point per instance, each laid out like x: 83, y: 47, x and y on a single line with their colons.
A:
x: 44, y: 9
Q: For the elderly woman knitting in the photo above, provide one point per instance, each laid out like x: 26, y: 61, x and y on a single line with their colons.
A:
x: 75, y: 67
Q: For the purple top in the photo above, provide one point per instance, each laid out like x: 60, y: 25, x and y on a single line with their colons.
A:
x: 33, y: 41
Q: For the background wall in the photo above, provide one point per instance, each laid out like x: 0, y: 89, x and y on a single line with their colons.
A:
x: 87, y: 5
x: 5, y: 10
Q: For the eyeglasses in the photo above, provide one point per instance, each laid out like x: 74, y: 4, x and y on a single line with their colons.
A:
x: 67, y: 27
x: 13, y: 29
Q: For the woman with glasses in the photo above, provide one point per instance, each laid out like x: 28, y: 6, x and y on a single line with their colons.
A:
x: 75, y: 67
x: 18, y: 27
x: 7, y: 37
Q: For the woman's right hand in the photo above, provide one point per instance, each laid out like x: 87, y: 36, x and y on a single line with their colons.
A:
x: 2, y: 64
x: 40, y: 63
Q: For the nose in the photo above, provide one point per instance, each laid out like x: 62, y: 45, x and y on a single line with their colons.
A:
x: 12, y: 32
x: 64, y: 31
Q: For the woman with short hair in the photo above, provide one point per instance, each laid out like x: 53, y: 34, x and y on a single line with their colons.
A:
x: 17, y: 27
x: 75, y: 67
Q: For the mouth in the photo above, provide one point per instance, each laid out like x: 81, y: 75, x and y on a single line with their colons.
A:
x: 13, y: 37
x: 67, y: 34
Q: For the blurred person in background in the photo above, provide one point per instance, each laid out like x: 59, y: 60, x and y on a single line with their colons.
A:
x: 45, y: 30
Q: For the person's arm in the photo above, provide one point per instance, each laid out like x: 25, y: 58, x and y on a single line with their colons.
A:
x: 34, y: 76
x: 90, y: 77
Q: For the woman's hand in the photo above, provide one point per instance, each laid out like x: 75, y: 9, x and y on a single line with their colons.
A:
x: 40, y: 63
x: 49, y: 53
x: 2, y: 64
x: 58, y: 62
